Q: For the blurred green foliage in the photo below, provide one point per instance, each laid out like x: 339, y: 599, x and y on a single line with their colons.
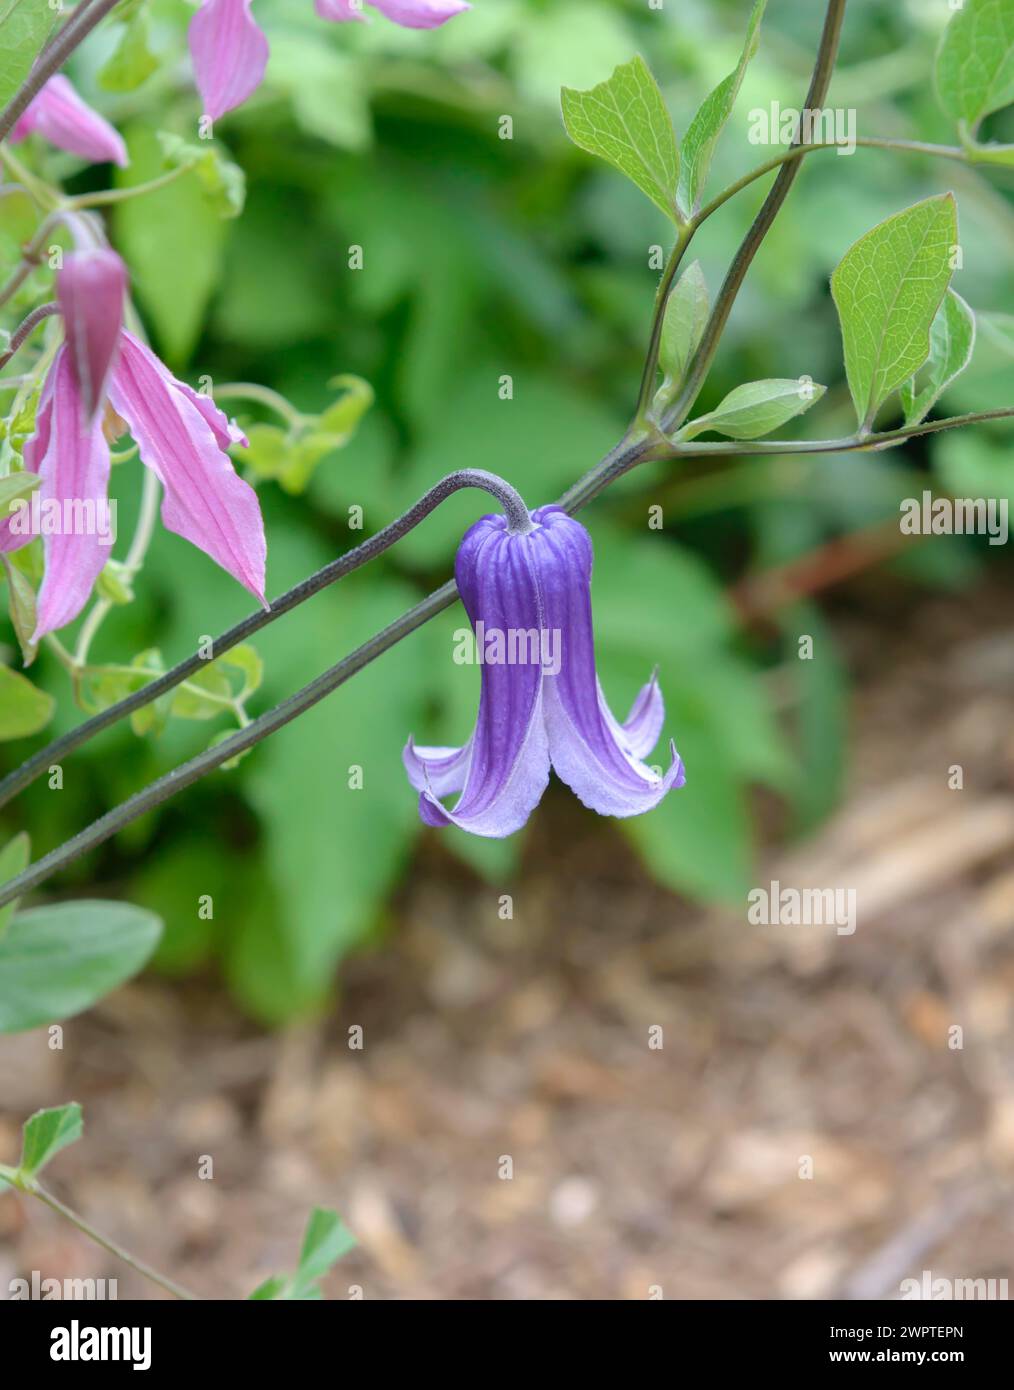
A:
x: 485, y: 257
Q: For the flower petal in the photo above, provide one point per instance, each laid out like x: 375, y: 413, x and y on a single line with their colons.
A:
x: 59, y: 114
x: 89, y: 291
x: 74, y: 467
x: 339, y: 10
x: 205, y: 500
x: 588, y: 749
x: 509, y: 764
x: 420, y: 14
x: 644, y: 722
x: 441, y: 770
x: 229, y: 52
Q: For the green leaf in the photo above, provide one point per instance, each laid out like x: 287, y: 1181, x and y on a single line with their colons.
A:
x: 326, y: 1241
x: 756, y: 408
x: 247, y: 660
x: 45, y: 1134
x: 176, y: 227
x: 222, y: 182
x: 24, y: 709
x: 329, y: 96
x: 704, y: 130
x: 334, y: 870
x: 24, y: 28
x: 975, y: 61
x: 14, y: 489
x: 132, y: 61
x: 14, y: 859
x: 952, y: 341
x: 887, y: 289
x: 56, y: 961
x: 269, y: 452
x: 203, y: 695
x: 683, y: 325
x: 22, y: 608
x: 625, y: 122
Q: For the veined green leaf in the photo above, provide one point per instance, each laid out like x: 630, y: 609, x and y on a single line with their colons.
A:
x: 704, y: 130
x: 975, y: 61
x: 56, y: 961
x: 24, y: 28
x: 625, y: 122
x: 952, y: 341
x: 685, y: 317
x: 887, y: 289
x: 757, y: 408
x: 45, y: 1134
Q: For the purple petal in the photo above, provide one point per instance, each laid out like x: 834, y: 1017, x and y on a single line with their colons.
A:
x: 420, y: 14
x: 59, y: 114
x: 587, y: 748
x: 74, y: 466
x: 89, y: 291
x: 644, y: 722
x: 509, y: 764
x: 205, y: 500
x: 229, y: 52
x: 439, y: 770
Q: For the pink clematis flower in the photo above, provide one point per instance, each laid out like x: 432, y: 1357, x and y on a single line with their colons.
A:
x: 181, y: 436
x: 230, y: 50
x: 59, y: 114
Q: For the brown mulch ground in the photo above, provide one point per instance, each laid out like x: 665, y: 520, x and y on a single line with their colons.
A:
x: 633, y: 1167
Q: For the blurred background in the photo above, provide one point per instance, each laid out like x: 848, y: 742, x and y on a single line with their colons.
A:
x: 334, y: 908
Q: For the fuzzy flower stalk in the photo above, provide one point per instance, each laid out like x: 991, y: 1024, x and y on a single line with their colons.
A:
x: 104, y: 380
x: 527, y: 593
x: 230, y: 50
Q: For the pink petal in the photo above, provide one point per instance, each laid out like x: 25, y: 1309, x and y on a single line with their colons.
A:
x: 339, y: 10
x: 229, y: 52
x: 420, y: 14
x: 205, y: 500
x: 59, y: 114
x: 89, y: 290
x: 74, y: 468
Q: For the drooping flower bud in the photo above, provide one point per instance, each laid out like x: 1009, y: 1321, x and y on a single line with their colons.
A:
x: 89, y: 291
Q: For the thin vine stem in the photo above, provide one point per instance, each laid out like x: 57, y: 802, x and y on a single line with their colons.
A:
x: 761, y: 225
x: 40, y: 762
x: 26, y: 328
x: 142, y: 1268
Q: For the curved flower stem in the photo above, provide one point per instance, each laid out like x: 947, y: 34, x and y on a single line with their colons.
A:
x: 698, y: 369
x: 26, y: 328
x: 54, y: 1203
x: 469, y: 477
x: 795, y: 152
x: 263, y: 395
x: 74, y: 32
x: 885, y: 439
x: 105, y: 196
x: 135, y: 559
